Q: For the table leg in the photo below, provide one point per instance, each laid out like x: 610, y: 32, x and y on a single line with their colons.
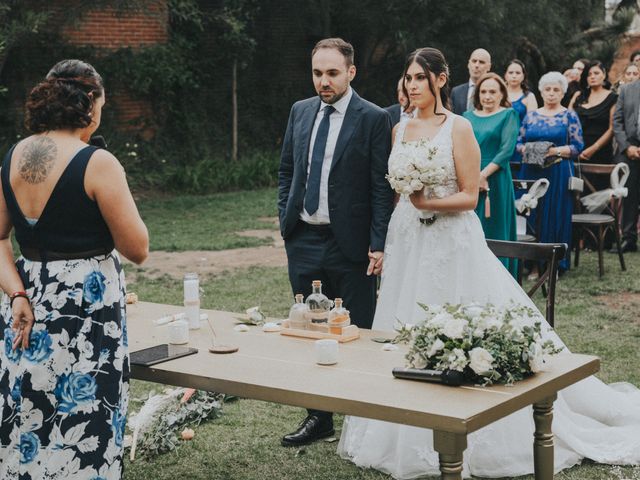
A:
x: 450, y: 447
x: 543, y: 439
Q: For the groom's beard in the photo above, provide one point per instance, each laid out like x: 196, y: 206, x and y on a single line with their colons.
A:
x: 333, y: 99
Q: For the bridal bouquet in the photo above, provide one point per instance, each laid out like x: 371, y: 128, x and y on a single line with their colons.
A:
x: 410, y: 173
x: 488, y: 344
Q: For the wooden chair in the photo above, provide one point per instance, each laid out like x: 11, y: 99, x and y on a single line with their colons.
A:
x: 596, y: 225
x: 548, y: 254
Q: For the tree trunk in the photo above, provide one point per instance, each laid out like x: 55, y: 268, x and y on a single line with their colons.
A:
x: 234, y: 114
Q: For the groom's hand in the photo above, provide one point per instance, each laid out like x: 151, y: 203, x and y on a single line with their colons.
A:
x: 375, y: 263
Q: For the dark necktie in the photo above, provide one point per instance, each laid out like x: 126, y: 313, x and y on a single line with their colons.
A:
x: 312, y: 195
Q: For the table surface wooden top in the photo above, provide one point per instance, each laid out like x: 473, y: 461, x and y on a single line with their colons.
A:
x: 282, y: 369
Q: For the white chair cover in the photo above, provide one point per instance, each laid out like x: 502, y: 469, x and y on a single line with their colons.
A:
x: 530, y: 199
x: 597, y: 201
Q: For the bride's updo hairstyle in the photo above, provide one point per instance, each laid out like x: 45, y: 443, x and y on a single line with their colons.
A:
x: 432, y: 61
x: 64, y: 99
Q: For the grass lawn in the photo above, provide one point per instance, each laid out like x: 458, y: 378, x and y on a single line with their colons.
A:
x: 208, y: 222
x: 592, y: 316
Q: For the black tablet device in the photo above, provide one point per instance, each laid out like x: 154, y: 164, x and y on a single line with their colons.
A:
x: 159, y: 353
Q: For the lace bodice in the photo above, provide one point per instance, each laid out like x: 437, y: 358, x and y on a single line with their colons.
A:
x: 436, y: 154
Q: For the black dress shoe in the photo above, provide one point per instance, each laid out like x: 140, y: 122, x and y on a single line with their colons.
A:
x: 626, y: 246
x: 311, y: 429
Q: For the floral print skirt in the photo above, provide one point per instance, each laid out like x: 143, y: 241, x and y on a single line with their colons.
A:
x: 63, y: 401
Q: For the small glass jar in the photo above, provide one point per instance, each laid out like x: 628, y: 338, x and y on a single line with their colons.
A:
x: 297, y: 313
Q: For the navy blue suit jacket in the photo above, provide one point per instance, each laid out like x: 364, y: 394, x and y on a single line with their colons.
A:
x: 459, y: 97
x: 394, y: 112
x: 360, y: 198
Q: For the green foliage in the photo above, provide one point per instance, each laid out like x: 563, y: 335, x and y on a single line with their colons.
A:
x: 187, y: 81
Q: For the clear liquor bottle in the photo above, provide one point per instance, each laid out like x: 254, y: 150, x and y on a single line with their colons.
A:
x: 318, y: 304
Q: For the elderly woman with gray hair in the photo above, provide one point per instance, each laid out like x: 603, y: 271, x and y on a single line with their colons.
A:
x: 560, y: 129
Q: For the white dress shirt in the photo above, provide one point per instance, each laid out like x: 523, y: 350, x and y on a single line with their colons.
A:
x: 321, y: 217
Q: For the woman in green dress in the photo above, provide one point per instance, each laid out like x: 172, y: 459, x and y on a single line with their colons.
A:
x: 495, y: 126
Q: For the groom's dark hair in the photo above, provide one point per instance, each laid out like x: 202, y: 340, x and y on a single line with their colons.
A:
x: 345, y: 48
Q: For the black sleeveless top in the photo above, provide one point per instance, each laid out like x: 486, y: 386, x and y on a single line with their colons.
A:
x: 70, y: 222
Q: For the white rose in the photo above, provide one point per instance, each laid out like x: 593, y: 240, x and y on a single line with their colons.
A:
x: 425, y: 177
x: 440, y: 320
x: 435, y: 347
x: 473, y: 310
x: 415, y: 175
x: 455, y: 328
x: 401, y: 172
x: 536, y: 358
x: 406, y: 190
x: 481, y: 360
x: 419, y: 362
x: 416, y: 185
x: 493, y: 322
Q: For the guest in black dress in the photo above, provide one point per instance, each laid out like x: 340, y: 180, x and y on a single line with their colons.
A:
x: 594, y: 104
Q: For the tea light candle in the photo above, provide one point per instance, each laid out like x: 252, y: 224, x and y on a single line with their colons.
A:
x: 178, y: 332
x: 326, y: 351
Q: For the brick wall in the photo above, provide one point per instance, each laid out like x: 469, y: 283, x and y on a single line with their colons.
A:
x: 109, y: 29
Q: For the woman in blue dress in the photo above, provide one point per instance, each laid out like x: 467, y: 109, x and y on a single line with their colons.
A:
x: 64, y: 368
x: 553, y: 123
x: 521, y: 98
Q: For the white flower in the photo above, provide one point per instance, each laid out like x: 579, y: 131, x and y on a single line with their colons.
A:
x: 440, y: 320
x: 536, y: 357
x: 473, y: 310
x: 435, y: 347
x: 481, y: 360
x: 419, y: 362
x: 457, y: 360
x: 111, y: 329
x: 455, y: 328
x: 416, y: 185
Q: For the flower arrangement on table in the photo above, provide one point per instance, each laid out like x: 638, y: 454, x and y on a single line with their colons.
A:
x: 486, y: 343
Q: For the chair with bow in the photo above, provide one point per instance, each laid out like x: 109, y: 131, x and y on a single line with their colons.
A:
x: 602, y: 210
x: 535, y: 190
x: 548, y: 254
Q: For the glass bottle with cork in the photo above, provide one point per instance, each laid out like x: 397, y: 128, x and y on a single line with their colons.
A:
x: 338, y: 318
x: 297, y: 313
x: 318, y: 307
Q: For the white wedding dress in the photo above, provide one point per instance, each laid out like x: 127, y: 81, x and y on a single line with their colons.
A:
x: 449, y: 261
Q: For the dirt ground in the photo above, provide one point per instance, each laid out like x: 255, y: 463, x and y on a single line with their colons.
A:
x: 203, y: 262
x: 621, y: 301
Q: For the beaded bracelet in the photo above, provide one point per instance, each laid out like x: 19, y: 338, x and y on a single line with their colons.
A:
x: 17, y: 294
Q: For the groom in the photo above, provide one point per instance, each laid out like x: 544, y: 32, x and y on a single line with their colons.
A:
x: 333, y: 200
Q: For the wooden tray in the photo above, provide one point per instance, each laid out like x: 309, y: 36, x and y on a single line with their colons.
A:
x: 349, y: 333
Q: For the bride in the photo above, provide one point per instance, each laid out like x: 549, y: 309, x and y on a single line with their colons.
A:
x: 435, y: 254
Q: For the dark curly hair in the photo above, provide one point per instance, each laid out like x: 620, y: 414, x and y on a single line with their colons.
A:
x: 64, y: 99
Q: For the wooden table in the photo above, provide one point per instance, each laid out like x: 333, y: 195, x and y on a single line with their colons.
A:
x: 282, y: 369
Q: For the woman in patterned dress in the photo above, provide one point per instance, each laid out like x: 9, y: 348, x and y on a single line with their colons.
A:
x: 64, y: 366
